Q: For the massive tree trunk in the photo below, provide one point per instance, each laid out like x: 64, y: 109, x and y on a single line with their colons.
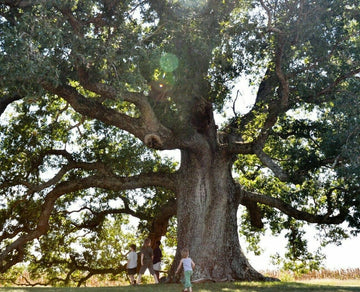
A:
x: 207, y: 221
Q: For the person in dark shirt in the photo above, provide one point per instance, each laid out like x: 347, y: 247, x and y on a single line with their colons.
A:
x: 157, y: 259
x: 146, y: 257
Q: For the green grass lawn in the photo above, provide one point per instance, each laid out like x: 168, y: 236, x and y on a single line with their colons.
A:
x: 321, y: 285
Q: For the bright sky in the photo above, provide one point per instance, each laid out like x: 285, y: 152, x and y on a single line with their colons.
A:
x: 344, y: 256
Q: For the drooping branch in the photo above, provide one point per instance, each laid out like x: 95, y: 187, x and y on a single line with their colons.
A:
x: 246, y: 196
x: 74, y: 265
x: 13, y: 253
x: 52, y: 280
x: 255, y: 213
x: 158, y: 228
x: 97, y: 271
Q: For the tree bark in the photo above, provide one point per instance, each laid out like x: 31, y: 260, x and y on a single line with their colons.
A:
x: 207, y: 219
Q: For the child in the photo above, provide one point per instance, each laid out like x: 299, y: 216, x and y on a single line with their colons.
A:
x: 147, y: 260
x: 132, y: 263
x: 188, y: 265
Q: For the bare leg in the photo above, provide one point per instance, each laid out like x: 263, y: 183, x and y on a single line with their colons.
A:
x: 139, y: 279
x: 131, y: 279
x: 156, y: 279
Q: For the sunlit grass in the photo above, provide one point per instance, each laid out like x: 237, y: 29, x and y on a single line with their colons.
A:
x: 333, y: 285
x: 315, y: 281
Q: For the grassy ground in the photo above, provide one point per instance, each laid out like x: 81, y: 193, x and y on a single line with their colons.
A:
x: 313, y: 286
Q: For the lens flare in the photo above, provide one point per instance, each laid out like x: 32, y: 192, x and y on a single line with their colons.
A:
x: 169, y: 62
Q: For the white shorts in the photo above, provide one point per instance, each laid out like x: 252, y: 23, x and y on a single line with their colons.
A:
x: 157, y: 266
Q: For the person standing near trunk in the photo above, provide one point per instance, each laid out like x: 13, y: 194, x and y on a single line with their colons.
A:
x: 147, y: 256
x: 157, y: 259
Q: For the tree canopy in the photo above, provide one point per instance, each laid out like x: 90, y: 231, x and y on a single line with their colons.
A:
x: 92, y: 92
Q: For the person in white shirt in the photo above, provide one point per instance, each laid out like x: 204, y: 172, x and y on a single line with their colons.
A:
x: 132, y: 263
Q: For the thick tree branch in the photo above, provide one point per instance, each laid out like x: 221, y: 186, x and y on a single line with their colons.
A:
x: 277, y: 106
x: 6, y: 100
x: 97, y: 271
x: 75, y: 24
x: 147, y: 128
x: 108, y: 92
x: 234, y: 147
x: 115, y: 183
x: 99, y: 167
x: 98, y: 217
x: 270, y: 163
x: 264, y: 95
x: 287, y: 209
x: 86, y: 107
x: 270, y: 26
x: 337, y: 81
x: 160, y: 222
x: 265, y: 102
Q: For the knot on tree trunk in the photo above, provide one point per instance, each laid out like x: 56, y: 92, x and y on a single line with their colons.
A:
x: 153, y: 141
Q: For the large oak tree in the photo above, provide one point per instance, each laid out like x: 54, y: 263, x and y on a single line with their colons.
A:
x: 92, y: 91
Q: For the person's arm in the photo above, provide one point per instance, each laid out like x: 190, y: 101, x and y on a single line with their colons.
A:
x: 192, y: 264
x: 142, y: 259
x: 179, y: 267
